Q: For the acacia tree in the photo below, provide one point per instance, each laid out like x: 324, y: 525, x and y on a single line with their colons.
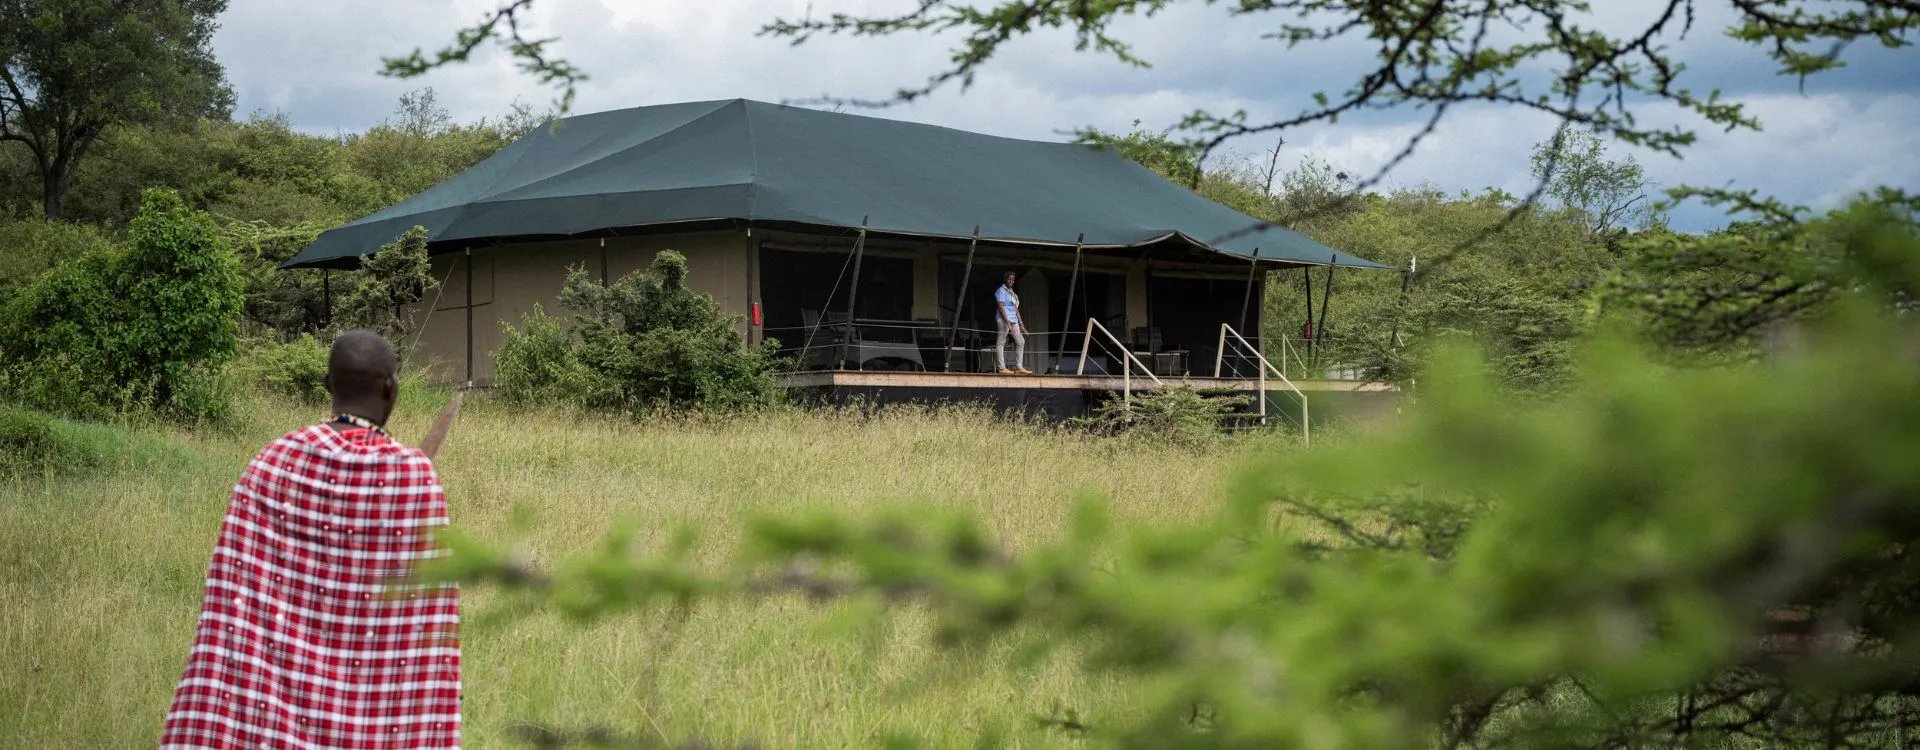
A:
x: 1609, y: 194
x: 72, y: 70
x: 390, y: 280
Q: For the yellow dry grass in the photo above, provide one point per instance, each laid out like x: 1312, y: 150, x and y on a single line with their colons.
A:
x: 100, y: 574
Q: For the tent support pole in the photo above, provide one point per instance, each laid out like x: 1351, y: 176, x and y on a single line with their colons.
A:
x: 1306, y: 279
x: 1073, y: 285
x: 960, y: 300
x: 853, y: 294
x: 326, y: 297
x: 468, y: 258
x: 1326, y: 295
x: 1246, y: 302
x: 1406, y: 285
x: 604, y: 281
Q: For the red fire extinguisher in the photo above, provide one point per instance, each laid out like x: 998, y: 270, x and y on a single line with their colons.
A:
x: 756, y: 315
x: 1306, y: 330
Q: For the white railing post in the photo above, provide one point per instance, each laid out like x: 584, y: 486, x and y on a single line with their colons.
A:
x: 1084, y: 343
x: 1263, y: 396
x: 1266, y: 366
x: 1220, y: 351
x: 1127, y: 360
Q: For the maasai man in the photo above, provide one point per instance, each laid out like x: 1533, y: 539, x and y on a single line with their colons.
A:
x: 310, y: 635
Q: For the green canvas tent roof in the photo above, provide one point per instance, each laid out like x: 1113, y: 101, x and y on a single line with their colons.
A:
x: 746, y: 162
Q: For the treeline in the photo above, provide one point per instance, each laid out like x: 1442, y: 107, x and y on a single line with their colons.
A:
x: 268, y: 188
x: 244, y: 196
x: 1526, y: 281
x: 164, y: 265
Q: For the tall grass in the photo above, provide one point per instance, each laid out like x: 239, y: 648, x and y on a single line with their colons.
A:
x: 100, y: 573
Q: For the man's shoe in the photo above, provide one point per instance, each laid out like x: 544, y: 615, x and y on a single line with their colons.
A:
x: 1005, y: 371
x: 1024, y: 371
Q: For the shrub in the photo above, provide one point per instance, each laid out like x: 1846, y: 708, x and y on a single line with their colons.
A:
x: 34, y: 443
x: 1177, y: 416
x: 140, y: 329
x: 32, y: 247
x: 643, y: 343
x: 30, y: 442
x: 535, y: 362
x: 296, y: 368
x: 388, y: 283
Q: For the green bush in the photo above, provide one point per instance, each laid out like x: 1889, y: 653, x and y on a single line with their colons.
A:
x: 296, y: 368
x: 1177, y: 416
x: 386, y: 286
x: 643, y: 343
x: 28, y: 442
x: 34, y: 443
x: 32, y: 247
x: 535, y: 362
x: 143, y: 329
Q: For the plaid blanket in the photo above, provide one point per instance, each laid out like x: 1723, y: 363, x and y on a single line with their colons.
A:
x: 309, y: 636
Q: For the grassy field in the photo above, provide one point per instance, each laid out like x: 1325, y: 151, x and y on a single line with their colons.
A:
x: 100, y: 573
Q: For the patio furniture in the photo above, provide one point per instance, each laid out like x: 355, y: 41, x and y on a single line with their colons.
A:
x: 866, y: 351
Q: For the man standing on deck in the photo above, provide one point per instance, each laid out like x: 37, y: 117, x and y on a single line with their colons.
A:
x: 1007, y: 309
x: 310, y: 635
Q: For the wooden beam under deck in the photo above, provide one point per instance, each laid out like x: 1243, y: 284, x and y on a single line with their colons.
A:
x: 868, y: 378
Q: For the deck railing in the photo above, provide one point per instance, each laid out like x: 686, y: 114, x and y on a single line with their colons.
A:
x: 1219, y: 358
x: 1127, y: 359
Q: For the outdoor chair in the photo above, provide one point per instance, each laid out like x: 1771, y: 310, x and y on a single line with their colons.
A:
x: 1154, y: 352
x: 829, y: 335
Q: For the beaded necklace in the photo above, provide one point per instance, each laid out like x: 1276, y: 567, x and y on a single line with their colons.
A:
x: 358, y: 421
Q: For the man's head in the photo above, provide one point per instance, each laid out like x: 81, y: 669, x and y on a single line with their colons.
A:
x: 1008, y: 279
x: 363, y: 375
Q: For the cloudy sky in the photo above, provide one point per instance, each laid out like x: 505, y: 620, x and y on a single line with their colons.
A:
x: 317, y: 63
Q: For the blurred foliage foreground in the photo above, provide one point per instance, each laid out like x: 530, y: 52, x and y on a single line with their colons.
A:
x: 1706, y: 556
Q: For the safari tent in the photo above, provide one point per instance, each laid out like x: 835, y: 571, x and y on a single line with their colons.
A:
x: 868, y: 247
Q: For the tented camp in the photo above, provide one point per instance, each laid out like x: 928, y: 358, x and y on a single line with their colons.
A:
x: 869, y: 248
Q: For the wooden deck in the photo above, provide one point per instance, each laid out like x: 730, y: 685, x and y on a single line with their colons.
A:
x: 972, y: 380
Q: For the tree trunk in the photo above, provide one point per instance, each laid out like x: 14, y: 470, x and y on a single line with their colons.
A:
x: 54, y: 184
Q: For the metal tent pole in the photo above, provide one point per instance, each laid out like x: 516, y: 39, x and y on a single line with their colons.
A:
x: 1246, y: 302
x: 960, y: 300
x: 853, y: 294
x: 1306, y: 280
x: 1326, y: 295
x: 326, y: 297
x: 1406, y: 285
x: 604, y: 281
x: 1073, y: 283
x: 468, y: 257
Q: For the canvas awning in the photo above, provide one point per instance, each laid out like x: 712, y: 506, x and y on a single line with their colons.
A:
x: 746, y: 162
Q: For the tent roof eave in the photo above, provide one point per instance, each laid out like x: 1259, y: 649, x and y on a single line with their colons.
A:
x: 441, y: 247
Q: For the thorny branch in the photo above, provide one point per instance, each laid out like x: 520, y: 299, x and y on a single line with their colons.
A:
x: 1430, y: 54
x: 530, y: 52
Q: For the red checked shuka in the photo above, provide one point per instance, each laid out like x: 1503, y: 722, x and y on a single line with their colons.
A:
x: 310, y: 634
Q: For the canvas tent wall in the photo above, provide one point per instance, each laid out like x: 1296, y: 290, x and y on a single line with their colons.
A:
x: 509, y: 280
x: 790, y: 272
